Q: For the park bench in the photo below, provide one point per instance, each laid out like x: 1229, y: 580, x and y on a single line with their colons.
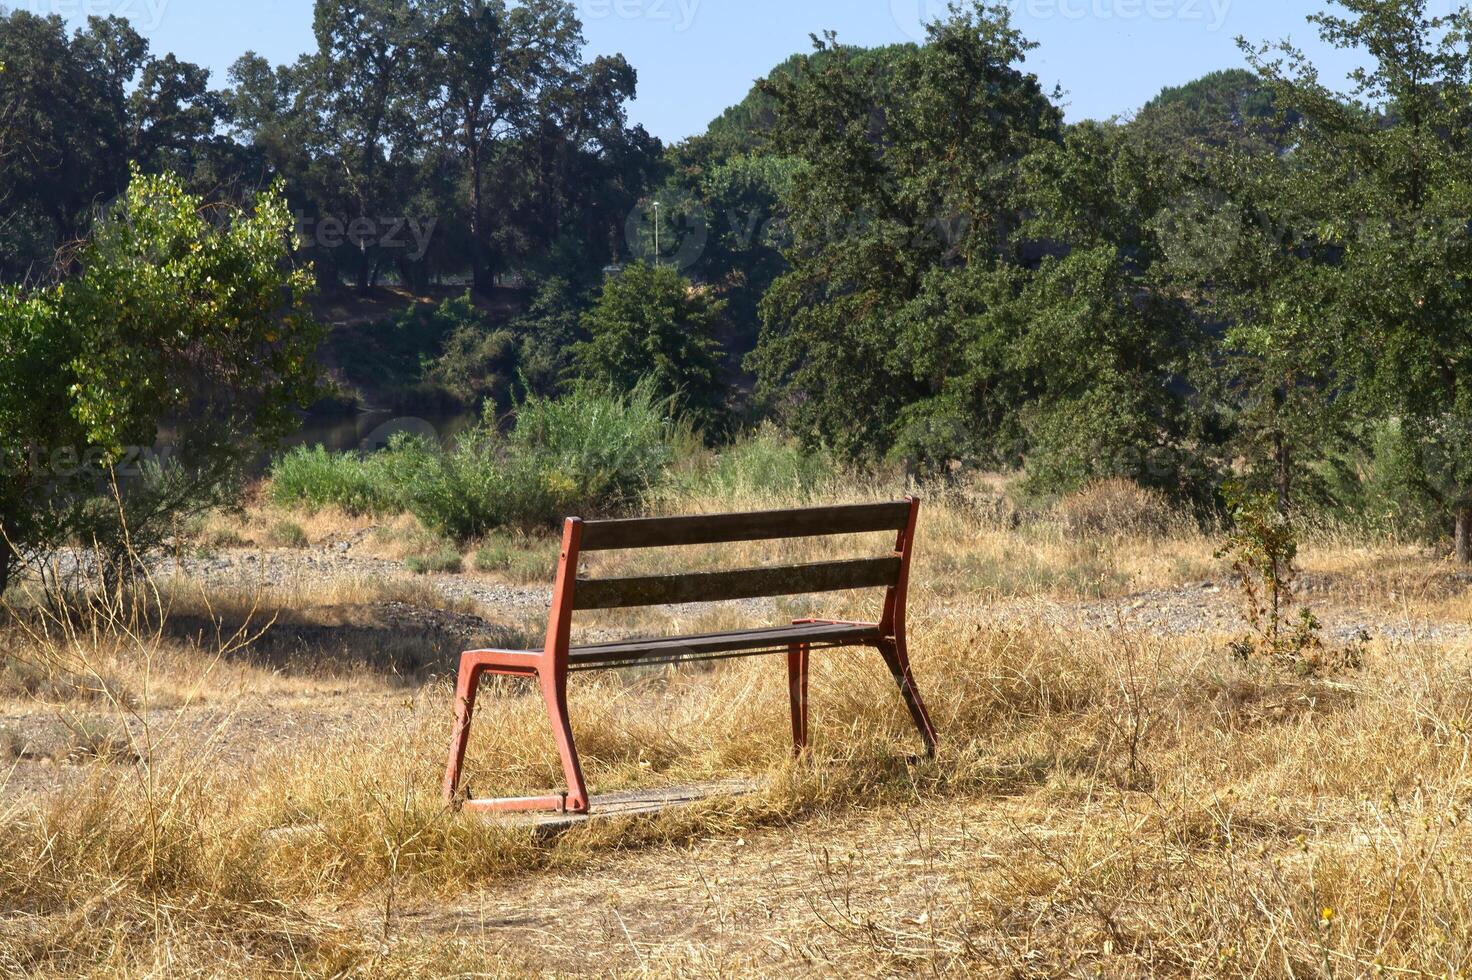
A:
x: 551, y: 665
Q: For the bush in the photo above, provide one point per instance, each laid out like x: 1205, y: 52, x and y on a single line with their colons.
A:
x: 516, y: 559
x: 287, y: 534
x: 495, y: 556
x: 584, y: 454
x: 763, y: 464
x: 443, y: 560
x: 313, y: 478
x: 1116, y: 507
x: 1263, y: 549
x: 1388, y: 493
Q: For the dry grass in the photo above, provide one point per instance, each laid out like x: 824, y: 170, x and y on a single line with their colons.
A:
x: 1106, y: 802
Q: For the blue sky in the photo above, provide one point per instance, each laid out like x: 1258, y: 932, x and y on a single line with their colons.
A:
x: 695, y: 57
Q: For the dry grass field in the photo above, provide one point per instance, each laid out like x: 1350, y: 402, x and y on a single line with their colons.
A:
x: 235, y: 770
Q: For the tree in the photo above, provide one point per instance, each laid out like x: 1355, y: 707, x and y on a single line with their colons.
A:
x: 478, y: 361
x: 743, y: 205
x: 361, y: 81
x: 1233, y: 109
x: 62, y: 142
x: 75, y: 112
x: 1109, y: 353
x: 1241, y: 243
x: 901, y: 214
x: 489, y: 66
x: 651, y: 325
x: 549, y: 333
x: 1380, y: 175
x: 176, y: 314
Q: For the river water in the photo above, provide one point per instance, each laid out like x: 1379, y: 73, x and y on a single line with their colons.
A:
x: 371, y: 430
x: 363, y: 432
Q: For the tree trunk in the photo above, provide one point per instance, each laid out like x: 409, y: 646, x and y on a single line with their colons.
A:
x: 1464, y: 532
x: 1282, y: 472
x: 364, y: 278
x: 477, y: 244
x: 7, y: 553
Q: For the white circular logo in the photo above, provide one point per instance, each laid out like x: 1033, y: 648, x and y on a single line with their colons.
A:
x: 671, y: 232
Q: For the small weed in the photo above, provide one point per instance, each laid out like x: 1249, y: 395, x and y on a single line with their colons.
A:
x: 223, y: 537
x: 521, y: 560
x: 287, y: 534
x: 86, y: 739
x: 1263, y: 550
x: 444, y: 560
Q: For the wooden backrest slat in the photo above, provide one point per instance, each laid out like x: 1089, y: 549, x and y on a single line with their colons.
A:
x: 658, y: 532
x: 749, y: 583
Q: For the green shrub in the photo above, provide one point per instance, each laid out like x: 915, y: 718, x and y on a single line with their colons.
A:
x: 583, y: 454
x: 443, y: 560
x: 519, y: 559
x: 494, y: 556
x: 287, y: 534
x: 313, y: 478
x: 765, y: 464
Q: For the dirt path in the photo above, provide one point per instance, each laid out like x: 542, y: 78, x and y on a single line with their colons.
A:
x: 1201, y: 608
x: 862, y: 891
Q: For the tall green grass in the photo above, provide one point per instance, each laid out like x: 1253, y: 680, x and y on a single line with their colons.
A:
x: 313, y: 478
x: 763, y: 464
x: 585, y: 454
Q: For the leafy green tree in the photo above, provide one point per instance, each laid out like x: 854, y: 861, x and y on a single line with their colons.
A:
x: 747, y: 221
x: 361, y: 84
x: 61, y: 141
x: 549, y: 333
x: 1242, y: 245
x: 1233, y: 109
x: 1109, y: 353
x: 75, y: 112
x: 490, y: 66
x: 901, y: 219
x: 178, y: 314
x: 652, y: 326
x: 478, y: 361
x: 1380, y: 175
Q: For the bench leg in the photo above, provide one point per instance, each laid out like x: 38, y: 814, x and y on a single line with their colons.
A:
x: 465, y: 687
x: 554, y: 691
x: 896, y: 657
x: 797, y: 687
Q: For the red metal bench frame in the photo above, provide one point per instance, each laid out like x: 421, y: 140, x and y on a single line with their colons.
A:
x: 551, y: 665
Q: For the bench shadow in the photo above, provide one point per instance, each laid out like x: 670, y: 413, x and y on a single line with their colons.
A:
x: 394, y: 640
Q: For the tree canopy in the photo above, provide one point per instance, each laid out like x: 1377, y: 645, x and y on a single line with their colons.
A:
x: 900, y: 253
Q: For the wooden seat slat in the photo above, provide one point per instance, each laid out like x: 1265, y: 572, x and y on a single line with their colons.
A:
x: 777, y: 638
x: 745, y: 583
x: 661, y: 532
